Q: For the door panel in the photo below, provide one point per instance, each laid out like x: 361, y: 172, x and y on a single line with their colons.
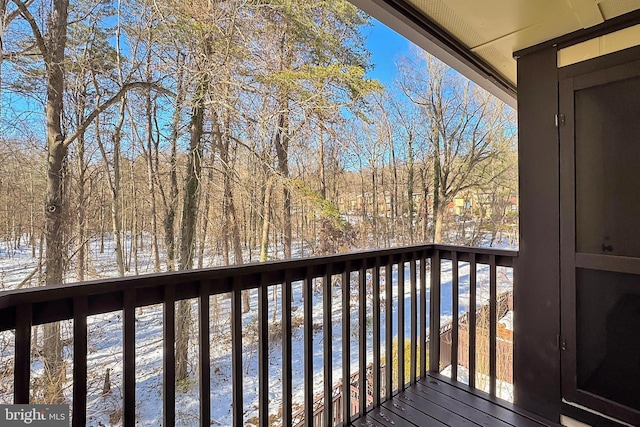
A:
x: 600, y: 240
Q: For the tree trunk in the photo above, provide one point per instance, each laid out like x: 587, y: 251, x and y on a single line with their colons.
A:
x: 54, y: 209
x: 266, y: 209
x: 102, y: 226
x: 81, y: 254
x: 374, y: 208
x: 155, y: 253
x: 438, y: 219
x: 425, y: 203
x: 81, y: 168
x: 133, y: 254
x: 114, y: 186
x: 395, y: 196
x: 282, y: 151
x: 363, y: 207
x: 282, y: 137
x: 150, y: 111
x: 188, y: 224
x: 32, y: 231
x: 231, y: 230
x: 323, y: 183
x: 438, y: 209
x: 171, y: 206
x: 171, y: 203
x: 115, y: 194
x: 204, y: 218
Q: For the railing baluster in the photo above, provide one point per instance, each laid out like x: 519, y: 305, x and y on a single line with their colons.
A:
x: 376, y: 332
x: 434, y: 314
x: 22, y: 360
x: 362, y: 339
x: 327, y: 344
x: 455, y: 297
x: 236, y: 352
x: 388, y: 320
x: 169, y: 360
x: 204, y: 326
x: 80, y: 310
x: 129, y: 358
x: 263, y: 352
x: 414, y: 319
x: 493, y: 298
x: 346, y: 344
x: 423, y: 316
x: 286, y: 350
x: 472, y: 319
x: 308, y: 352
x: 401, y: 380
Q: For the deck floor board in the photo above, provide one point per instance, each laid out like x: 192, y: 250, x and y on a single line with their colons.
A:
x: 435, y: 401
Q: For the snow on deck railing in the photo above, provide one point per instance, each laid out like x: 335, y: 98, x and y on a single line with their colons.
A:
x: 398, y: 299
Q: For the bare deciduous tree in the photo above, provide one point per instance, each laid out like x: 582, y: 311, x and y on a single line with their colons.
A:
x: 466, y: 129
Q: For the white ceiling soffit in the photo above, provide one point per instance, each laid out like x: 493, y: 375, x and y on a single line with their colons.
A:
x: 491, y: 30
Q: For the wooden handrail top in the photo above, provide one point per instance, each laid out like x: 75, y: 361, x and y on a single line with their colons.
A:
x: 105, y: 295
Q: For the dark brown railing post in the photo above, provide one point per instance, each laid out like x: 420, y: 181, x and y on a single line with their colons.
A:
x: 169, y: 359
x: 236, y: 352
x: 414, y: 319
x: 472, y: 319
x: 22, y: 359
x: 388, y: 320
x: 286, y: 350
x: 204, y: 326
x: 376, y: 332
x: 346, y: 345
x: 401, y: 320
x: 80, y: 311
x: 423, y: 316
x: 455, y: 301
x: 263, y: 352
x: 308, y: 352
x: 327, y: 344
x: 362, y: 339
x: 493, y: 323
x: 129, y: 358
x: 434, y: 313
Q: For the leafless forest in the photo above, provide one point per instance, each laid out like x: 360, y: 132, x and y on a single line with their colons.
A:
x: 230, y: 129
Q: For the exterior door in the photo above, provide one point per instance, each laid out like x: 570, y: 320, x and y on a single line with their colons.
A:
x: 599, y: 128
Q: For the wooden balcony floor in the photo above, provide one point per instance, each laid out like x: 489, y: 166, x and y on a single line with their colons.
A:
x: 435, y: 402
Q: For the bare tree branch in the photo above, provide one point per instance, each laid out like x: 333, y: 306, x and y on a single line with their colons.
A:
x: 24, y: 11
x: 108, y: 103
x: 14, y: 14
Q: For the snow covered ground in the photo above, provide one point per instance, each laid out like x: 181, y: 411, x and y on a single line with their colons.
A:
x: 504, y: 390
x: 105, y: 344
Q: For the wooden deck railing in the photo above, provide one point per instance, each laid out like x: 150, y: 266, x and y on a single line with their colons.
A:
x: 415, y: 273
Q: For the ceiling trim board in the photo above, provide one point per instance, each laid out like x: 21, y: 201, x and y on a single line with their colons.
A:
x: 608, y: 26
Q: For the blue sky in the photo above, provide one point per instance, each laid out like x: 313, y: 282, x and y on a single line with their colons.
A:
x: 385, y: 46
